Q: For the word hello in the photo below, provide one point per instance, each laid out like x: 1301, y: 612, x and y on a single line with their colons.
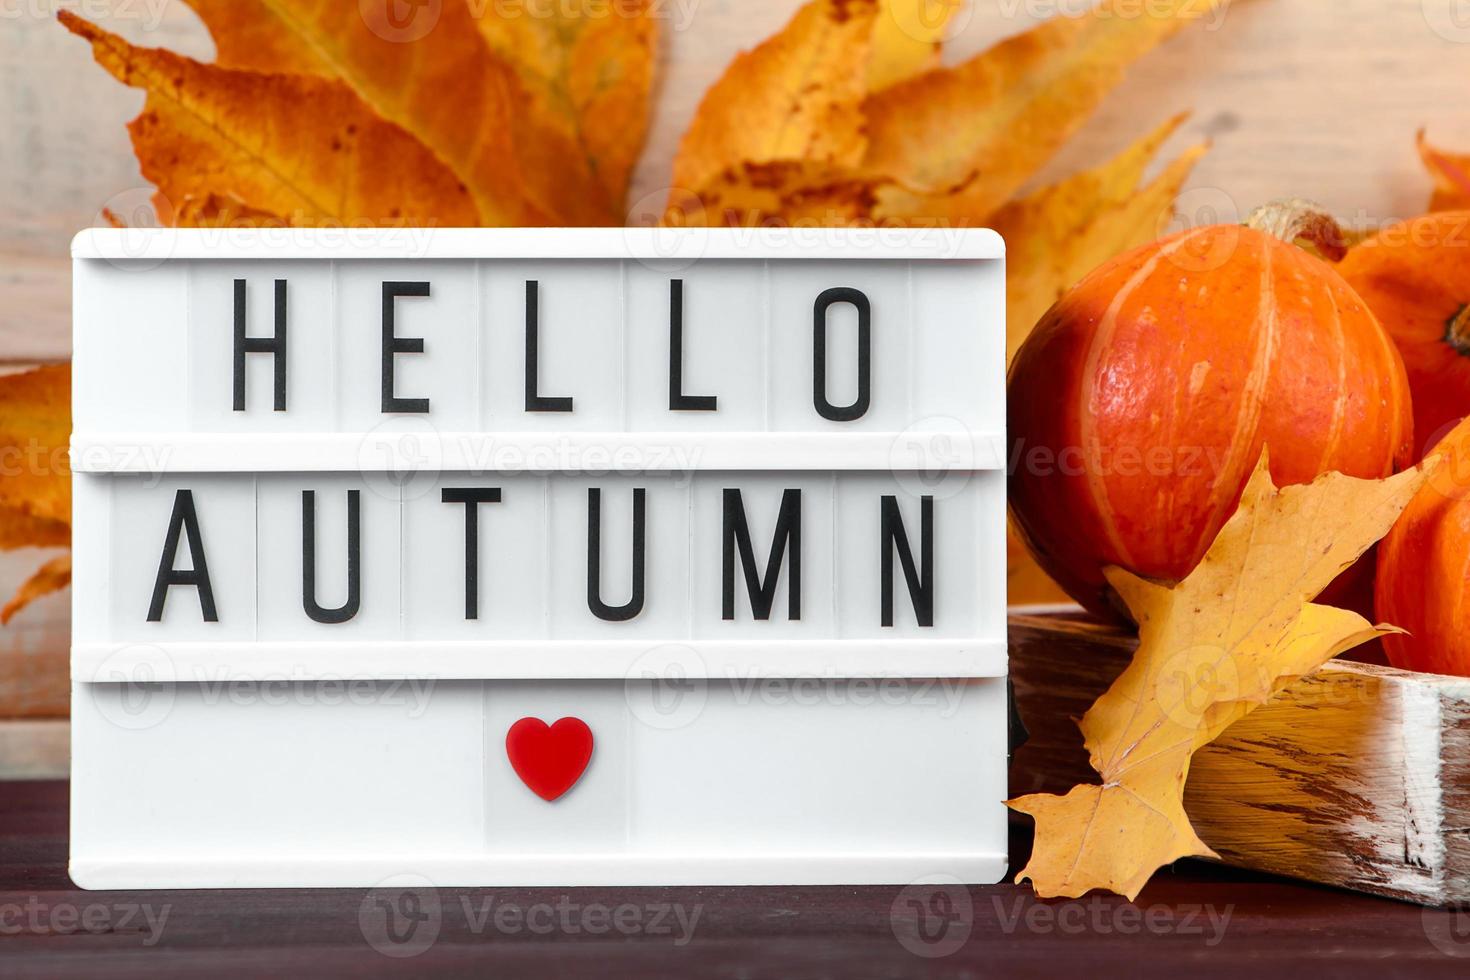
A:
x: 395, y: 345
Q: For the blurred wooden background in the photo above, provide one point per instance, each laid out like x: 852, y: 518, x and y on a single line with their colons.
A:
x: 1300, y: 97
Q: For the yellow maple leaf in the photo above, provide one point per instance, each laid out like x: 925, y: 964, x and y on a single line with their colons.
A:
x: 794, y: 97
x: 1058, y: 234
x: 967, y: 138
x: 299, y: 146
x: 907, y: 37
x: 1212, y: 648
x: 1451, y: 173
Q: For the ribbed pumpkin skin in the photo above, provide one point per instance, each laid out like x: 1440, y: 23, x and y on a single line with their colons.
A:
x: 1155, y: 382
x: 1415, y: 277
x: 1423, y: 581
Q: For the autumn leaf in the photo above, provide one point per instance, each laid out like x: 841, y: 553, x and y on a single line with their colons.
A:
x: 248, y: 34
x: 1212, y: 648
x: 53, y: 576
x: 1451, y: 175
x: 35, y: 480
x: 1057, y: 235
x: 945, y: 146
x: 907, y: 37
x: 796, y: 97
x: 299, y: 146
x: 223, y: 211
x: 588, y: 67
x: 20, y: 529
x: 436, y: 78
x: 35, y: 427
x: 966, y: 139
x: 802, y: 193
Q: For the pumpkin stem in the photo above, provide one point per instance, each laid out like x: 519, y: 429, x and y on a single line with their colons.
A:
x: 1457, y: 331
x: 1296, y: 220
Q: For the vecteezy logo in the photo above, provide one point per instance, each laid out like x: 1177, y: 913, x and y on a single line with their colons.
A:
x: 1195, y: 209
x: 1194, y: 680
x: 675, y: 241
x: 400, y: 21
x: 135, y: 213
x: 665, y: 687
x: 134, y: 687
x: 933, y: 917
x: 1450, y: 19
x: 401, y: 457
x: 401, y: 916
x: 936, y: 456
x: 1448, y: 931
x: 931, y: 21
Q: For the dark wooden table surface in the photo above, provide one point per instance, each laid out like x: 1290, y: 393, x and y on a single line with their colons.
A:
x: 1192, y: 921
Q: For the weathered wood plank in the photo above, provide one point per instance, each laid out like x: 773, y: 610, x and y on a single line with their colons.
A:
x: 1357, y: 776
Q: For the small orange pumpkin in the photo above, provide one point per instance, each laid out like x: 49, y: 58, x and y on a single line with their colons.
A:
x: 1141, y: 402
x: 1423, y: 581
x: 1415, y: 276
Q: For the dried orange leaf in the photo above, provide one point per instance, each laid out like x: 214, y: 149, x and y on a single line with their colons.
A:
x: 247, y: 35
x: 1057, y: 235
x: 298, y: 146
x: 53, y: 576
x: 35, y: 478
x: 222, y: 211
x: 426, y: 68
x: 985, y: 126
x: 19, y: 529
x: 796, y: 96
x: 1451, y: 175
x: 783, y: 192
x: 588, y: 66
x: 1212, y: 648
x: 907, y: 37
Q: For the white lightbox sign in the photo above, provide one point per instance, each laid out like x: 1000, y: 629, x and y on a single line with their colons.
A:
x: 538, y: 556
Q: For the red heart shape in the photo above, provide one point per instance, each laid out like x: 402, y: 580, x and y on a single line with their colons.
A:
x: 549, y: 758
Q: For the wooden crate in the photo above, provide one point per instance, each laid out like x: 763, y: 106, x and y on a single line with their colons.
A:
x: 1357, y: 776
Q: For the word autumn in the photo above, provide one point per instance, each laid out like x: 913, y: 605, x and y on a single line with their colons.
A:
x: 394, y: 345
x: 889, y: 539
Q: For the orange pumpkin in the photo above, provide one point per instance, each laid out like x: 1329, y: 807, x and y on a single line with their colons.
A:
x: 1141, y: 402
x: 1424, y: 568
x: 1415, y: 276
